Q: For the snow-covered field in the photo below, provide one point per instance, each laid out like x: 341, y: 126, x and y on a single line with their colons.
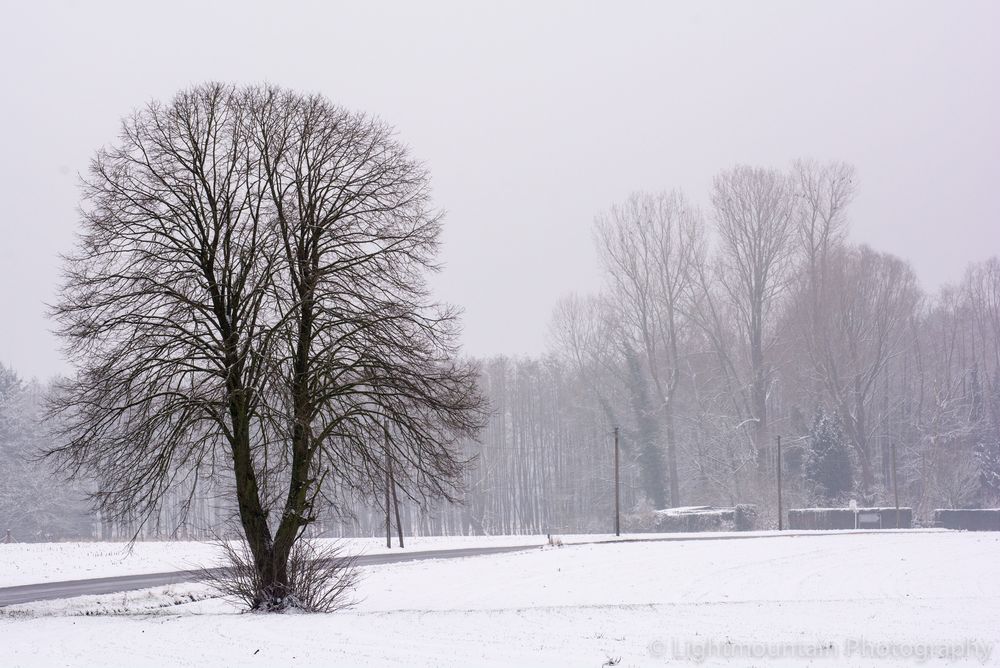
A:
x: 830, y: 600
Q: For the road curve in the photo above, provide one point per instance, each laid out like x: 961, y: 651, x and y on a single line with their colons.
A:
x: 66, y: 589
x: 53, y: 590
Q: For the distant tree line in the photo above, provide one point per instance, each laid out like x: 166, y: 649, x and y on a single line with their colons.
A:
x: 715, y: 332
x: 34, y: 505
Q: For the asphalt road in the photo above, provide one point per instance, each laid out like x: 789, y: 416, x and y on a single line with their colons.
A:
x: 66, y: 589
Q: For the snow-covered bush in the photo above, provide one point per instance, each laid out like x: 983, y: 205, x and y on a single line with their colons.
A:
x: 320, y: 578
x: 642, y: 519
x: 745, y: 517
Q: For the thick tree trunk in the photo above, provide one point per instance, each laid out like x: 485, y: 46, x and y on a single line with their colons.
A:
x: 273, y: 579
x: 295, y: 515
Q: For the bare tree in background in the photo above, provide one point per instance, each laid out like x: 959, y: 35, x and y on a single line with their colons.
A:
x: 952, y: 412
x: 875, y: 298
x: 754, y: 217
x: 247, y: 297
x: 648, y: 245
x: 981, y: 297
x: 823, y: 192
x: 585, y: 332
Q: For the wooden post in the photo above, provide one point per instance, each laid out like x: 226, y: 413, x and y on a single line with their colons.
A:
x: 895, y: 482
x: 618, y: 527
x: 780, y: 513
x: 395, y: 503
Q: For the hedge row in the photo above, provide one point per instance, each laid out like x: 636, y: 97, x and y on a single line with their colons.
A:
x: 832, y: 519
x: 987, y: 519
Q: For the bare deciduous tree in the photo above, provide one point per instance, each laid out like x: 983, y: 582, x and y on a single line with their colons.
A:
x: 585, y: 332
x: 248, y: 296
x: 868, y: 320
x: 823, y: 192
x: 648, y: 245
x: 754, y: 218
x: 366, y: 358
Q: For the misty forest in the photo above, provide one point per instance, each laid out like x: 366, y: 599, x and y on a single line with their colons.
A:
x: 718, y: 329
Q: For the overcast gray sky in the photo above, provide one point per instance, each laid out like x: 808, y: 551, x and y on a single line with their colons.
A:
x: 532, y: 117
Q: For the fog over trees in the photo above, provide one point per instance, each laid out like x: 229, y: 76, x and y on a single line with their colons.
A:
x: 715, y: 332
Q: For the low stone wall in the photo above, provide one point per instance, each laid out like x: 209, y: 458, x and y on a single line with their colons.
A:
x: 985, y: 519
x: 834, y: 519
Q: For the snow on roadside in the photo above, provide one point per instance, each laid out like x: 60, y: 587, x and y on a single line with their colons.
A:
x: 655, y: 604
x: 30, y: 563
x: 169, y: 599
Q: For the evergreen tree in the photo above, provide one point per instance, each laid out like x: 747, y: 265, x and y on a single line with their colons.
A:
x: 828, y: 463
x: 649, y: 453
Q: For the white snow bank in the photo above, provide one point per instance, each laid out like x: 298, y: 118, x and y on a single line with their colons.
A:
x: 692, y: 510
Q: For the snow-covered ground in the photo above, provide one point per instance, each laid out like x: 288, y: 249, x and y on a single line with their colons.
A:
x: 830, y: 600
x: 29, y: 563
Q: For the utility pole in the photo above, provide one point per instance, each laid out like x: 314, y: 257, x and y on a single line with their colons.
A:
x: 618, y: 527
x: 895, y: 482
x: 395, y: 503
x: 780, y: 519
x: 388, y: 483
